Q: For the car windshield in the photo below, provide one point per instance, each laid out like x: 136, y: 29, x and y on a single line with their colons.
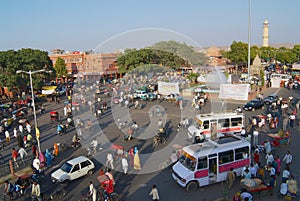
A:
x: 198, y: 124
x: 251, y: 103
x: 66, y: 167
x: 188, y: 161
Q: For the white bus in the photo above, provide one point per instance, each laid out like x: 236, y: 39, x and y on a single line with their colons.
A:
x: 282, y: 77
x: 207, y: 163
x: 215, y: 124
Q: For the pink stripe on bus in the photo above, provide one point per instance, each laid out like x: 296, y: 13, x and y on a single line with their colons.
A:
x: 201, y: 173
x: 234, y: 165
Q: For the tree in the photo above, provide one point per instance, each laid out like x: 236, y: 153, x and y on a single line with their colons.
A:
x: 133, y: 58
x: 182, y: 50
x: 24, y: 59
x: 285, y: 55
x: 296, y: 50
x: 238, y: 52
x: 60, y: 68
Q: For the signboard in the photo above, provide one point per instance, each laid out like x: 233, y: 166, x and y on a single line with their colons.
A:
x: 234, y: 91
x: 48, y: 90
x: 167, y: 88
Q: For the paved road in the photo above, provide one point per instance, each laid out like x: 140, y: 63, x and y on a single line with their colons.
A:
x: 137, y: 186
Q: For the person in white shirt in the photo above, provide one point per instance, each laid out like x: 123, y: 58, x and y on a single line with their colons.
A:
x: 255, y: 140
x: 28, y: 127
x: 94, y: 145
x: 15, y: 132
x: 36, y: 191
x: 7, y: 136
x: 92, y: 191
x: 22, y: 152
x: 154, y: 193
x: 288, y: 158
x: 110, y: 160
x: 283, y: 188
x: 269, y: 158
x: 285, y: 174
x: 124, y: 165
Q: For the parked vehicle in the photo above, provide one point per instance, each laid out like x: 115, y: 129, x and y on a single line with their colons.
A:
x: 270, y: 99
x: 254, y: 105
x: 209, y: 162
x: 73, y: 169
x: 216, y: 124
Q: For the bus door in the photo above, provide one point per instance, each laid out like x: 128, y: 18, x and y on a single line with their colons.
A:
x: 212, y: 168
x: 213, y: 129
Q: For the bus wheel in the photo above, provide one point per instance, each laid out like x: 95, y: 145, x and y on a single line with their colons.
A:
x: 192, y: 186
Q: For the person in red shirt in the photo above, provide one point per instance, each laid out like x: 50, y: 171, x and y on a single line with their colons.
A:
x: 14, y: 155
x: 108, y: 186
x: 256, y: 156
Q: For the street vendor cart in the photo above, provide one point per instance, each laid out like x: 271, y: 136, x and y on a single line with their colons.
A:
x: 256, y: 187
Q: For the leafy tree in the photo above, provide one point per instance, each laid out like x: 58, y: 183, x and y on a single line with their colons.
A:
x: 262, y: 77
x: 133, y: 58
x: 285, y: 55
x: 296, y: 50
x: 24, y: 59
x: 60, y: 68
x: 182, y: 50
x: 238, y: 52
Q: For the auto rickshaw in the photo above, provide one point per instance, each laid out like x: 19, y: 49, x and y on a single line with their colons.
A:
x: 54, y: 116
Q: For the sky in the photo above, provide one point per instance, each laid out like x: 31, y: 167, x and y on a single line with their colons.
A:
x: 116, y: 24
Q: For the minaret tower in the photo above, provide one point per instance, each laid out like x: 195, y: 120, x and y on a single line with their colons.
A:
x: 265, y: 42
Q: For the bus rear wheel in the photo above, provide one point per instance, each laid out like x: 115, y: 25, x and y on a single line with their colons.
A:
x: 192, y: 186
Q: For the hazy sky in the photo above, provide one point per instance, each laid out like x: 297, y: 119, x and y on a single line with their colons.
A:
x: 84, y: 24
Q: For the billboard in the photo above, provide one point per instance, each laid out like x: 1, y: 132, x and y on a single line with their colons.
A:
x: 167, y: 88
x: 234, y: 91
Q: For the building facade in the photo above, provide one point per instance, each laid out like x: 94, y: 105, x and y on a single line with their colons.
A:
x: 88, y: 66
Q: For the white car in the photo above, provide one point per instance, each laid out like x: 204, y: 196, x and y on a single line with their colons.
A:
x: 73, y: 169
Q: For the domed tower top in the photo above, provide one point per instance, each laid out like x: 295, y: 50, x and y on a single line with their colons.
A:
x: 266, y: 22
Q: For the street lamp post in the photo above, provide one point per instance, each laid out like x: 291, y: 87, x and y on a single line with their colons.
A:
x: 249, y: 38
x: 37, y: 132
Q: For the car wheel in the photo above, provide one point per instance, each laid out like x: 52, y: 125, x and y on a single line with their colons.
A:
x: 253, y: 109
x: 90, y: 172
x: 192, y: 186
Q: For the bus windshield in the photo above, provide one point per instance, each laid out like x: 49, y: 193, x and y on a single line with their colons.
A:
x: 198, y: 124
x: 188, y: 161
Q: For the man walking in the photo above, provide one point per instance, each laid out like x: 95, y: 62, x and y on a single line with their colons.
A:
x: 230, y: 178
x: 125, y: 165
x: 22, y: 152
x: 154, y: 193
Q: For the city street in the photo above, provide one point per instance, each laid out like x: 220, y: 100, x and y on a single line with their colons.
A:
x: 137, y: 184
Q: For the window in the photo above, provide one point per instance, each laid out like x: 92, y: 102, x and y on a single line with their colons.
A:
x: 224, y: 123
x: 202, y: 163
x: 84, y: 164
x: 206, y: 124
x: 237, y: 121
x: 76, y: 168
x: 225, y: 157
x: 241, y: 153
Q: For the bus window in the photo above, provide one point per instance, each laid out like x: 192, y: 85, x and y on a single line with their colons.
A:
x: 240, y: 153
x: 188, y: 161
x: 202, y: 163
x: 206, y: 124
x: 237, y: 121
x: 224, y: 123
x: 226, y: 157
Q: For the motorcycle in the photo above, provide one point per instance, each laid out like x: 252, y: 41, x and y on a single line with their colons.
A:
x: 91, y: 150
x: 61, y: 129
x: 70, y: 123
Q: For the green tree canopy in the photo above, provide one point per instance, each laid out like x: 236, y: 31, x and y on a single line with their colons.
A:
x: 238, y: 52
x: 60, y: 68
x: 24, y: 59
x: 182, y: 50
x: 133, y: 58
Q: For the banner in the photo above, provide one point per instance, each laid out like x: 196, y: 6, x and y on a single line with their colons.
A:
x: 234, y: 91
x: 167, y: 88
